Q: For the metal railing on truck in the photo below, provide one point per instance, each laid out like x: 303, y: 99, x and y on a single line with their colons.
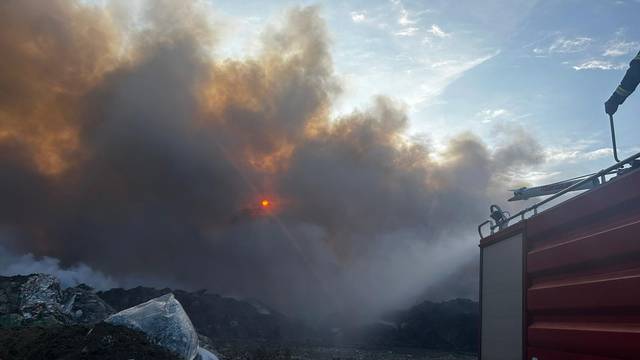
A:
x: 499, y: 220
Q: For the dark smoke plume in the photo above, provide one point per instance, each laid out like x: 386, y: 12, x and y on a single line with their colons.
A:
x: 127, y: 146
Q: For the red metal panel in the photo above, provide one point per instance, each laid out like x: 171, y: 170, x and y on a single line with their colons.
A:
x: 573, y: 212
x: 618, y: 241
x: 583, y: 275
x: 546, y: 354
x: 620, y: 341
x: 597, y: 293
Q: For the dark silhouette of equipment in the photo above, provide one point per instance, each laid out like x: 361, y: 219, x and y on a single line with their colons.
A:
x: 613, y: 138
x: 627, y: 86
x: 525, y: 193
x: 499, y: 217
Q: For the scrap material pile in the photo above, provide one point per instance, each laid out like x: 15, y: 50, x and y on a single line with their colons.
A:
x: 39, y: 319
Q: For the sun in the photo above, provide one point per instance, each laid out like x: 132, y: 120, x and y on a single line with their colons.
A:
x: 265, y: 203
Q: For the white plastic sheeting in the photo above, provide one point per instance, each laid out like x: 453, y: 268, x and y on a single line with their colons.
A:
x: 204, y: 354
x: 165, y: 322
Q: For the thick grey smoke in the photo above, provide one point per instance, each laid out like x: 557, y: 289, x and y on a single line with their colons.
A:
x: 125, y: 146
x: 14, y: 264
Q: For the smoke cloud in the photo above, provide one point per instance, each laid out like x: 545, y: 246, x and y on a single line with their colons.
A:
x: 25, y: 264
x: 126, y: 145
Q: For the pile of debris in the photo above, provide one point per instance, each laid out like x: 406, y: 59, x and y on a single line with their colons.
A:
x: 38, y: 302
x: 220, y: 317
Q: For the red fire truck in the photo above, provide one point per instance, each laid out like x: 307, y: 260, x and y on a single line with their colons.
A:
x: 564, y: 283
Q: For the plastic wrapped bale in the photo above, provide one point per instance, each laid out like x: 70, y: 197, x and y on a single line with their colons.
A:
x: 204, y: 354
x: 165, y: 322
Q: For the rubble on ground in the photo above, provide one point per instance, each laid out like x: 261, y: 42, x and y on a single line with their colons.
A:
x: 39, y: 300
x: 57, y: 320
x: 220, y: 317
x: 79, y: 342
x: 84, y: 306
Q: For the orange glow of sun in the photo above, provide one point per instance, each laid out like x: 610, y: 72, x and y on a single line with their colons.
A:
x: 265, y: 203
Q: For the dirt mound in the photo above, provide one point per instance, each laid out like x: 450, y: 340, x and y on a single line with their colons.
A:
x: 76, y: 342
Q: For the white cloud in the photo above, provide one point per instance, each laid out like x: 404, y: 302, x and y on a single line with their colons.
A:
x: 621, y: 47
x: 561, y: 155
x: 575, y: 154
x: 358, y: 16
x: 408, y: 31
x: 445, y: 72
x: 488, y: 115
x: 563, y: 45
x: 598, y: 154
x: 599, y: 65
x: 417, y: 84
x: 580, y: 44
x: 455, y: 66
x: 443, y: 63
x: 405, y: 19
x: 526, y: 177
x: 437, y: 31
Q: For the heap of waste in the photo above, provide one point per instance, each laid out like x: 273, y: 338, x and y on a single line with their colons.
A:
x: 39, y: 300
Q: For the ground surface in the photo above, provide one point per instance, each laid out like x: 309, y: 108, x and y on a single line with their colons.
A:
x: 117, y: 343
x: 78, y: 343
x: 246, y: 351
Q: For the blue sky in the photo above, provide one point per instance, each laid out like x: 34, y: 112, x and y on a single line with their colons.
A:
x: 467, y: 65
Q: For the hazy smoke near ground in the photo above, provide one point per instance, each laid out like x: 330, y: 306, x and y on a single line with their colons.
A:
x: 127, y: 146
x: 13, y: 264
